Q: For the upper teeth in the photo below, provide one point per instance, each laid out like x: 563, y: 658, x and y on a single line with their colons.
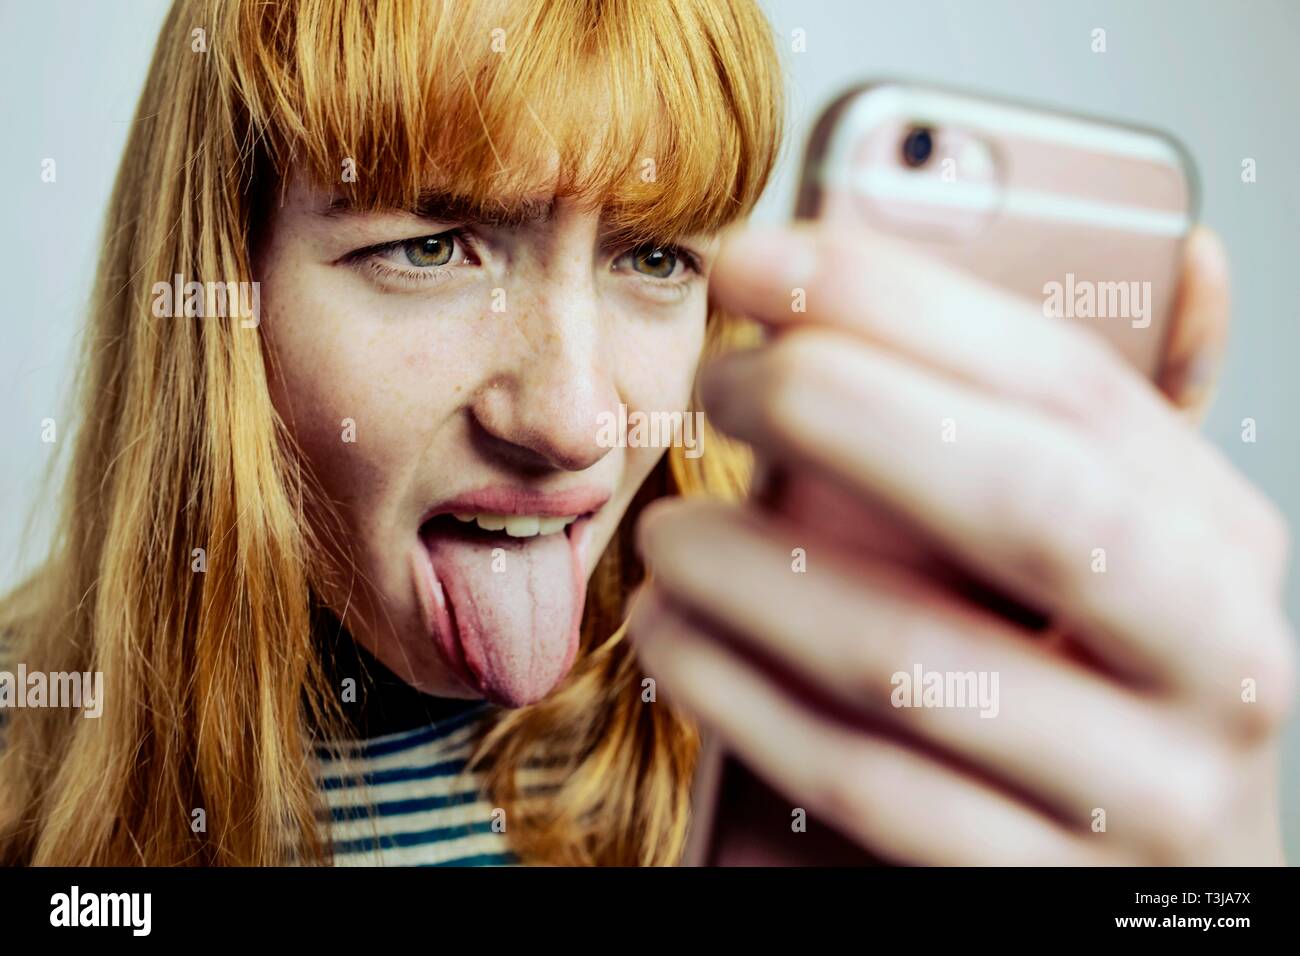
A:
x: 518, y: 526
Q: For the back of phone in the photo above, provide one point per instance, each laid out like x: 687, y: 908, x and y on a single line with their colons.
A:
x: 1082, y: 219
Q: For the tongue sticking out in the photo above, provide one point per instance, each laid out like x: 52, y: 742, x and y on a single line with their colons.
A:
x: 515, y: 615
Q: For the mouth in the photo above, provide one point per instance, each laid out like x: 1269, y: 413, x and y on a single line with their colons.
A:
x: 501, y: 577
x: 496, y: 525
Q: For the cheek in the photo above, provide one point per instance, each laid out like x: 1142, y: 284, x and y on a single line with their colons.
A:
x: 358, y: 391
x: 657, y: 366
x: 658, y: 362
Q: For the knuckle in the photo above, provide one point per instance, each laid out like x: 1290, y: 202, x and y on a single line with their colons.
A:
x: 1059, y: 507
x: 1256, y: 526
x: 1183, y: 812
x: 854, y: 791
x: 868, y: 672
x: 1273, y: 665
x: 1271, y: 537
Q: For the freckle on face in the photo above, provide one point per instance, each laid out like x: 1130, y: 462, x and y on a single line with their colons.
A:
x: 416, y: 371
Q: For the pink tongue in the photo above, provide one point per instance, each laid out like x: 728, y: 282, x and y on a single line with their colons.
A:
x: 516, y: 614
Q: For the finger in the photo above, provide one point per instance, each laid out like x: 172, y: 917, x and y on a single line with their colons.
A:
x: 885, y: 293
x: 890, y: 799
x: 872, y: 638
x: 1194, y: 356
x: 1020, y: 501
x: 881, y: 292
x: 870, y: 528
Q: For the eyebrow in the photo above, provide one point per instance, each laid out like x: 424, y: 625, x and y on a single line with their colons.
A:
x: 439, y: 205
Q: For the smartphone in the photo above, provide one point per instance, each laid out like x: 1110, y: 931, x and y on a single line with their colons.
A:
x: 1081, y: 217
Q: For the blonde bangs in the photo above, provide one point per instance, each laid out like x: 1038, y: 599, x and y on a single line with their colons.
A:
x: 663, y: 114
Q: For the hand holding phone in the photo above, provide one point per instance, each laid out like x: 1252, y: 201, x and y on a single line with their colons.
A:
x: 1084, y: 217
x: 949, y: 470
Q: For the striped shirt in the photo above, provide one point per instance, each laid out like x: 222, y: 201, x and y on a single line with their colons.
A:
x: 398, y: 792
x: 406, y: 799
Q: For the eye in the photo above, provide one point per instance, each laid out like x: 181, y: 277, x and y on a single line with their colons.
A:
x: 658, y: 264
x: 417, y: 262
x: 430, y: 251
x: 656, y: 261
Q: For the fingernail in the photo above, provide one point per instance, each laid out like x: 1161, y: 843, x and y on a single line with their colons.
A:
x: 1211, y: 255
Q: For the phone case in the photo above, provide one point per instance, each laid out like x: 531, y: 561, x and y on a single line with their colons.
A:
x: 1065, y: 211
x: 1082, y: 217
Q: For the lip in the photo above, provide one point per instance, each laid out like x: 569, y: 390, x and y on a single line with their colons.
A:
x: 507, y: 500
x: 434, y: 607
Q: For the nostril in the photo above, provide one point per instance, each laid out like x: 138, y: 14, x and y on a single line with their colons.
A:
x: 536, y: 452
x: 540, y: 423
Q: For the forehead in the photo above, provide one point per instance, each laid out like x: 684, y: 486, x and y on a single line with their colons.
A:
x: 443, y: 205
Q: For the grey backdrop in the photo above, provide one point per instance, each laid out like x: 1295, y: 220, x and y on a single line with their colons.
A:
x: 1222, y: 75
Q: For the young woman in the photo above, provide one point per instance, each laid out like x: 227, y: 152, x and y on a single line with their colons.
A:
x: 357, y: 570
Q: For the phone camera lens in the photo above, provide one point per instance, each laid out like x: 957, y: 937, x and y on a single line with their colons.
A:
x: 917, y: 146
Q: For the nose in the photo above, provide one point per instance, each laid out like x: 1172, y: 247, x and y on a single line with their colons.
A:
x: 542, y: 407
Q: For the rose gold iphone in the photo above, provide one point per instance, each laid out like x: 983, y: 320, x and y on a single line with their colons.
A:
x: 1084, y: 219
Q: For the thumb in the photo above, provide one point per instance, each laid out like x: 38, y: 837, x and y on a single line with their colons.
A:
x: 1194, y: 353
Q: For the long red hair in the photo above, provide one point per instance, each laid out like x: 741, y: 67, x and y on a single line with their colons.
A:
x: 213, y: 683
